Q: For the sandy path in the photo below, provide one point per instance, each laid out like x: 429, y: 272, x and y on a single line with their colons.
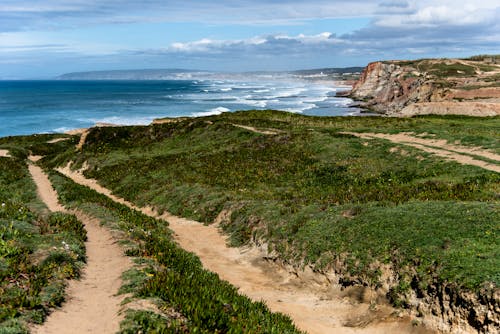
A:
x: 57, y: 140
x: 91, y: 305
x: 313, y: 307
x: 4, y: 153
x: 253, y: 129
x: 461, y: 154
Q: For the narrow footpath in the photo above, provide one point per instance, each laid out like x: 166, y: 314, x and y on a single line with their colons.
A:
x: 465, y: 155
x: 91, y: 305
x: 312, y: 305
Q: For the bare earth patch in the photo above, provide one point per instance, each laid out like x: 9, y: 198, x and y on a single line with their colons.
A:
x: 466, y: 155
x: 466, y: 108
x: 56, y: 140
x: 4, y: 153
x: 313, y: 305
x: 92, y: 305
x: 261, y: 131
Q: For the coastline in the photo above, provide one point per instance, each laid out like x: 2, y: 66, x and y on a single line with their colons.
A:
x: 86, y: 103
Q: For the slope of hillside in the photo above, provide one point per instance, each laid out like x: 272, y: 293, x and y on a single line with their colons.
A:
x: 431, y: 86
x: 346, y: 197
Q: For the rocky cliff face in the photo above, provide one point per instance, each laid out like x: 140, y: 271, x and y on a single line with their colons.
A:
x: 430, y: 86
x: 388, y: 88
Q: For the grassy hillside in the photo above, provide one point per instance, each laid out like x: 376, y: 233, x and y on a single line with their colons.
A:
x: 41, y: 250
x: 38, y: 251
x: 319, y: 196
x: 191, y: 299
x: 363, y: 208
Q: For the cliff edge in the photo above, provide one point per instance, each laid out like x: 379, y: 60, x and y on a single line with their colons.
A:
x: 431, y: 86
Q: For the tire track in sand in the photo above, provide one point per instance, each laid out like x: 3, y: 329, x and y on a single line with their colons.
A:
x: 312, y: 306
x: 91, y: 305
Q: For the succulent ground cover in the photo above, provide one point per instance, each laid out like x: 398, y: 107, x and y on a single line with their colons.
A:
x: 39, y: 251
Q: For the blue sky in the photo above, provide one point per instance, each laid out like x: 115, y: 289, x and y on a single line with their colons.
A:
x: 40, y: 39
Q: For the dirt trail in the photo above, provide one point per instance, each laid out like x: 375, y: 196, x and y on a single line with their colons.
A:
x: 91, y: 305
x: 461, y: 154
x: 263, y: 132
x: 4, y: 153
x: 57, y: 140
x: 313, y: 307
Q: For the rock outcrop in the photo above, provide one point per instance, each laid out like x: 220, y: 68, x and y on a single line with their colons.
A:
x: 439, y: 86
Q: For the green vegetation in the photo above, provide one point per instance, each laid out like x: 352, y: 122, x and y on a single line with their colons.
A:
x: 22, y: 146
x: 194, y: 300
x: 38, y: 251
x: 445, y: 70
x: 442, y: 69
x: 484, y: 57
x: 317, y: 195
x: 201, y: 301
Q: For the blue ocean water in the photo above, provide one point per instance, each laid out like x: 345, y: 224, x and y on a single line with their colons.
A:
x: 28, y: 107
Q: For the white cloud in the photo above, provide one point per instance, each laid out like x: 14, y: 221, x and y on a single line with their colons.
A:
x: 443, y: 15
x: 209, y: 45
x: 35, y: 14
x: 56, y: 14
x: 398, y: 28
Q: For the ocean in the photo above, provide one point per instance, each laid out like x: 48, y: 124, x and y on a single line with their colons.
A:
x: 28, y: 107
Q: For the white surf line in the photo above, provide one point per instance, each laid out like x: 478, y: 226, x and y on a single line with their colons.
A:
x: 92, y: 305
x: 312, y: 306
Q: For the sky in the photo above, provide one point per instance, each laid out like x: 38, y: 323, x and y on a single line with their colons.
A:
x: 46, y: 38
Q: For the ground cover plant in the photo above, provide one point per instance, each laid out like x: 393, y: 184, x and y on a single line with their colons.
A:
x: 320, y: 196
x: 39, y: 251
x: 317, y: 195
x: 193, y: 300
x: 200, y: 303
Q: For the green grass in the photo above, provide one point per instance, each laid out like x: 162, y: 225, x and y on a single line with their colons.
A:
x: 317, y: 196
x: 195, y: 174
x: 441, y: 69
x: 38, y: 251
x: 173, y: 277
x: 456, y: 242
x: 22, y: 146
x: 293, y: 189
x: 447, y: 70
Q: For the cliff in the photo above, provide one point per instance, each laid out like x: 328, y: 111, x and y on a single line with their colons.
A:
x: 431, y: 86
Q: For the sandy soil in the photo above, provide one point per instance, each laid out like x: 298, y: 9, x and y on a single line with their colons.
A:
x: 91, y: 305
x: 83, y: 137
x: 4, y: 153
x: 466, y: 108
x: 314, y: 307
x: 261, y: 131
x: 56, y: 140
x: 461, y: 154
x: 483, y: 92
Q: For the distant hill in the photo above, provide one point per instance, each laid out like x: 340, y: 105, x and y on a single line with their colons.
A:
x: 347, y: 73
x: 143, y: 74
x: 331, y: 71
